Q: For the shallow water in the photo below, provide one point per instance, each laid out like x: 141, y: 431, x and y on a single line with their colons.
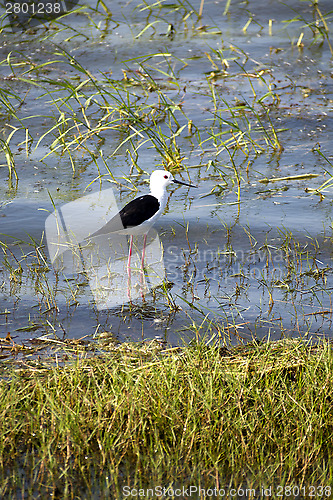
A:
x: 259, y: 268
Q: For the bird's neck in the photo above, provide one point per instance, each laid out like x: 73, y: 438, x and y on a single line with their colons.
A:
x: 161, y: 195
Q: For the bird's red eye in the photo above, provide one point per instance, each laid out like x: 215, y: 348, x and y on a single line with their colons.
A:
x: 165, y: 177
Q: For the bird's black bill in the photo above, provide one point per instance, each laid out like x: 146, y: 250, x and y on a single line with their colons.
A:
x: 184, y: 183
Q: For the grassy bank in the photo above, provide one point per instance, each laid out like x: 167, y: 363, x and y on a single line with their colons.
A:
x: 256, y: 415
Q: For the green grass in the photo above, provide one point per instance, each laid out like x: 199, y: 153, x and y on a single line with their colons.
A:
x: 258, y: 415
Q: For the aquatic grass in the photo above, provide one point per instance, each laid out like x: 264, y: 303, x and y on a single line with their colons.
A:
x: 6, y: 98
x: 249, y: 126
x: 161, y: 9
x: 25, y: 265
x: 326, y: 185
x: 144, y: 416
x: 119, y: 109
x: 318, y: 26
x: 62, y: 25
x: 289, y: 276
x: 139, y: 106
x: 289, y: 272
x: 5, y: 148
x: 10, y: 103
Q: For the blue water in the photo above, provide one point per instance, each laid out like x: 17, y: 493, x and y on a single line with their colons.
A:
x: 261, y: 268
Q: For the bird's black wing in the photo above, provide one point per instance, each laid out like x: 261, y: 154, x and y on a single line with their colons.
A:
x: 133, y: 214
x: 139, y: 210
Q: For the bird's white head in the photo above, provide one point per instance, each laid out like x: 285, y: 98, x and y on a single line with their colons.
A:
x: 160, y: 179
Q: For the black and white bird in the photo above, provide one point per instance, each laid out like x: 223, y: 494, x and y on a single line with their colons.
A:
x: 139, y: 215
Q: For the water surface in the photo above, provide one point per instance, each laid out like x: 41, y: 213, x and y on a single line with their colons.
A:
x: 255, y: 266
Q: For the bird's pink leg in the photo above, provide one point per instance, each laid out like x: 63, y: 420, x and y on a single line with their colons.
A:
x: 142, y: 271
x: 129, y: 267
x: 143, y: 252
